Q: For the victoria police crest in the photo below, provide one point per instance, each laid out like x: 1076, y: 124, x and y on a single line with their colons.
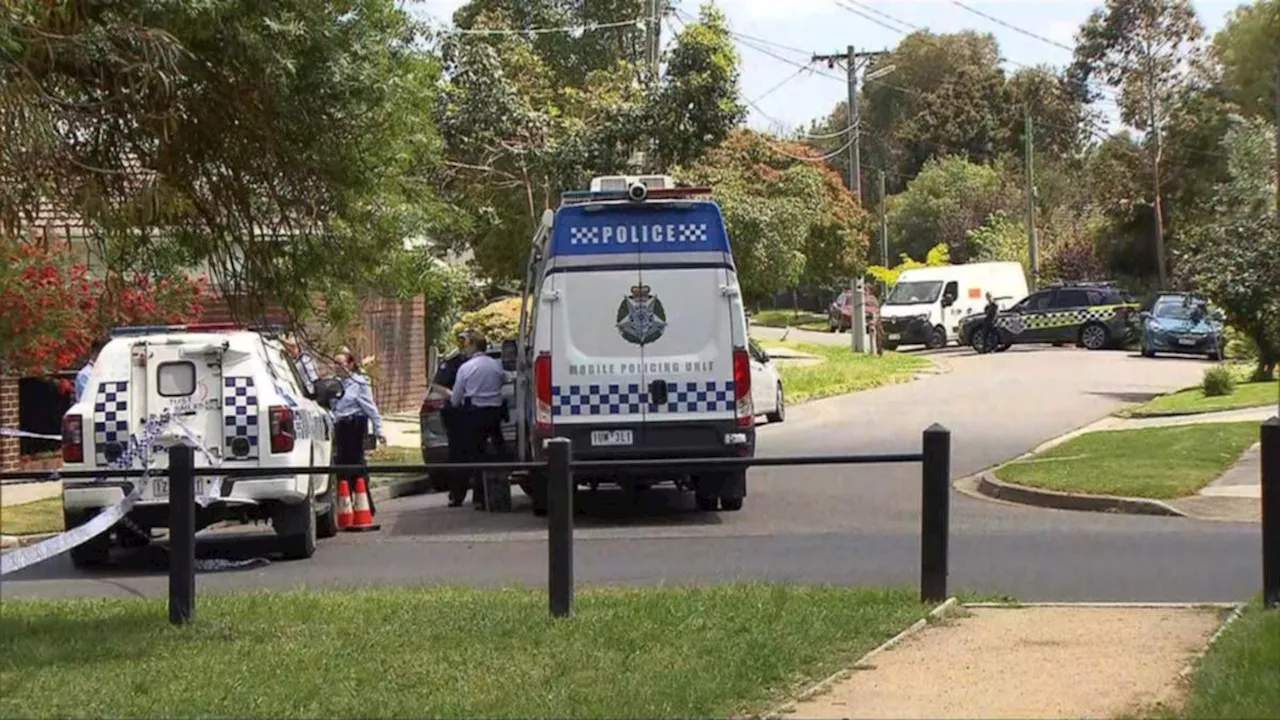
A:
x: 641, y: 317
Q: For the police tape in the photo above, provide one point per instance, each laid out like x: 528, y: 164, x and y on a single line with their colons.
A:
x: 117, y: 514
x: 6, y: 432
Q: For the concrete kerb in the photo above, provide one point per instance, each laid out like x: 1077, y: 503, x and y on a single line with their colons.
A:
x: 989, y: 486
x: 938, y: 613
x: 402, y: 487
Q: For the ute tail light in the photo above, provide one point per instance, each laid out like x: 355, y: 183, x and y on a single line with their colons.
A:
x: 281, y: 425
x: 72, y: 439
x: 746, y: 413
x: 542, y: 389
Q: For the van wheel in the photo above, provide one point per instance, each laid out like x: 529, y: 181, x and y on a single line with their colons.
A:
x: 937, y: 338
x: 707, y: 503
x: 535, y: 486
x: 91, y: 554
x: 731, y: 504
x: 327, y: 522
x: 780, y: 413
x: 296, y: 526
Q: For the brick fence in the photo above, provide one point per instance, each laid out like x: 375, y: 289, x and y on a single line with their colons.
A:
x: 10, y: 451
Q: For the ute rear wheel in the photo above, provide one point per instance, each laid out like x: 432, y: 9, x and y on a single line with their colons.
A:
x: 93, y: 553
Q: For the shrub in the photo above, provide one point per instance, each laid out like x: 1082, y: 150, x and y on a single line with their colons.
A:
x: 497, y: 321
x: 1218, y: 380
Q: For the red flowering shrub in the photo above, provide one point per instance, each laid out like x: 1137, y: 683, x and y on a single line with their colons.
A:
x: 51, y: 311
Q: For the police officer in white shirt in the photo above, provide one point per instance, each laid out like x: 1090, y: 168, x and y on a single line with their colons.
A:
x: 477, y: 392
x: 353, y: 412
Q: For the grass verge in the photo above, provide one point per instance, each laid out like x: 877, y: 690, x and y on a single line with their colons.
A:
x: 1161, y: 462
x: 1193, y: 401
x: 1237, y: 677
x: 841, y: 371
x: 439, y: 652
x: 41, y: 516
x: 790, y: 318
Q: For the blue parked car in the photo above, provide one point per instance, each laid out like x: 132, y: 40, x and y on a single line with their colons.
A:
x: 1182, y: 323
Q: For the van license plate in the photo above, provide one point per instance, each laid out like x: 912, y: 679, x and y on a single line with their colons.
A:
x: 606, y: 438
x: 159, y: 487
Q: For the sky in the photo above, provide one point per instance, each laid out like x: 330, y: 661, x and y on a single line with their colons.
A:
x: 783, y: 97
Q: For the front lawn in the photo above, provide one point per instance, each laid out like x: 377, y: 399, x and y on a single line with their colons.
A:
x: 841, y: 371
x: 790, y: 318
x: 1193, y: 401
x: 1240, y: 675
x: 1161, y: 462
x: 40, y: 516
x: 439, y: 652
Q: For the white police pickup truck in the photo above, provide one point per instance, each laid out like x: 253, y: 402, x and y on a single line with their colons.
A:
x: 234, y: 394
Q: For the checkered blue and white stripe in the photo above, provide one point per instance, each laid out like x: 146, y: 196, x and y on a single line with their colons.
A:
x: 584, y: 235
x: 630, y: 399
x: 110, y: 417
x: 240, y: 415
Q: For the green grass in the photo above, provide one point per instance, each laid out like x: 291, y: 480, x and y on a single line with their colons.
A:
x: 1193, y: 401
x: 1240, y: 675
x: 841, y: 371
x: 790, y: 318
x: 41, y: 516
x: 439, y: 652
x: 392, y: 455
x: 1161, y: 462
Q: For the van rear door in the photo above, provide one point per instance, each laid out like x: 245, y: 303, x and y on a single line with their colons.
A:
x: 642, y: 320
x: 184, y: 377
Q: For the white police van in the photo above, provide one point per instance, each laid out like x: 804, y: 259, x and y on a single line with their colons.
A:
x: 634, y: 340
x: 232, y: 392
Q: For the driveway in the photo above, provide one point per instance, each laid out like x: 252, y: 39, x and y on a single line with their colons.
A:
x: 856, y: 525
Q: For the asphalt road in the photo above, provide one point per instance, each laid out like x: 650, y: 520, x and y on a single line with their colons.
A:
x: 855, y: 525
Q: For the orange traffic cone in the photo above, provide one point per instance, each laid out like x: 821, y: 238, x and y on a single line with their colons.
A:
x: 363, y: 516
x: 345, y: 514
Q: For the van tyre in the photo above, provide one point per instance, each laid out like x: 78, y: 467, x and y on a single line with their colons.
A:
x: 731, y: 504
x: 707, y: 503
x: 1094, y: 336
x: 91, y: 554
x: 327, y: 521
x: 780, y: 413
x: 535, y: 486
x: 296, y: 526
x: 937, y: 338
x: 733, y: 491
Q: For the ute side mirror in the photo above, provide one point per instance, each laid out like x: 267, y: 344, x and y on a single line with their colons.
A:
x: 509, y: 355
x: 327, y: 392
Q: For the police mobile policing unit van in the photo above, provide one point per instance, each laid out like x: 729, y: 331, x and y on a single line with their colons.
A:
x: 230, y: 391
x: 635, y: 338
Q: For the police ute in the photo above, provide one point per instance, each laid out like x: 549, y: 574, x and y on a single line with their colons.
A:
x: 633, y: 340
x: 230, y: 392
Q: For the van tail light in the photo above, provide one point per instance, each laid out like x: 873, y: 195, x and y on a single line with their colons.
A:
x: 746, y: 413
x: 281, y: 424
x: 72, y: 439
x: 542, y: 388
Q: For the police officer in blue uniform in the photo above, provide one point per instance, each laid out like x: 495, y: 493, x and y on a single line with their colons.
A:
x: 352, y: 414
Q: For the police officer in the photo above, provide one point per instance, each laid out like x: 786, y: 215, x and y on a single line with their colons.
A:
x: 86, y: 372
x: 352, y: 413
x: 478, y: 394
x: 990, y: 338
x: 444, y: 380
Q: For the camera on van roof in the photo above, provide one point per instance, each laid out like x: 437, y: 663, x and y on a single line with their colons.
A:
x: 637, y: 192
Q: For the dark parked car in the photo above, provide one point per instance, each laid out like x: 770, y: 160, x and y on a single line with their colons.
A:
x: 840, y: 311
x: 1182, y: 323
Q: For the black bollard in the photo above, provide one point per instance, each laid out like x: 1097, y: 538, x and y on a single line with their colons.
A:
x: 935, y: 513
x: 560, y: 527
x: 182, y: 534
x: 1270, y: 436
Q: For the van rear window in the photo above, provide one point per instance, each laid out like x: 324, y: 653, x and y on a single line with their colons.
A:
x: 176, y: 379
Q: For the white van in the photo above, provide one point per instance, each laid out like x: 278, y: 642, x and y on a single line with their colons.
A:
x: 239, y: 397
x: 926, y: 305
x: 637, y: 338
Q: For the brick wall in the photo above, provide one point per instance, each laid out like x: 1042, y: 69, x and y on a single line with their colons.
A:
x: 9, y: 446
x: 390, y: 330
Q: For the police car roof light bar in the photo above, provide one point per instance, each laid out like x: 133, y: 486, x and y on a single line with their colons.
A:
x: 571, y: 197
x: 195, y: 327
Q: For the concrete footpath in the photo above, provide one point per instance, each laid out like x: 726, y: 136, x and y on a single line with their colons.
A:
x: 1234, y: 497
x: 1035, y: 661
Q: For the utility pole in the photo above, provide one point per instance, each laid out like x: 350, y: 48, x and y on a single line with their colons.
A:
x: 1277, y: 99
x: 884, y: 225
x: 1034, y: 248
x: 655, y: 39
x: 850, y: 58
x: 1156, y: 153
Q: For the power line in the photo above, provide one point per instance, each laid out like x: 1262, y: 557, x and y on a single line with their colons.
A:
x: 868, y: 18
x: 885, y: 15
x: 1013, y: 27
x: 780, y: 85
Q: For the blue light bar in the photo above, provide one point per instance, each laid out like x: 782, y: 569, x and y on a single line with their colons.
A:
x: 589, y: 195
x: 136, y: 330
